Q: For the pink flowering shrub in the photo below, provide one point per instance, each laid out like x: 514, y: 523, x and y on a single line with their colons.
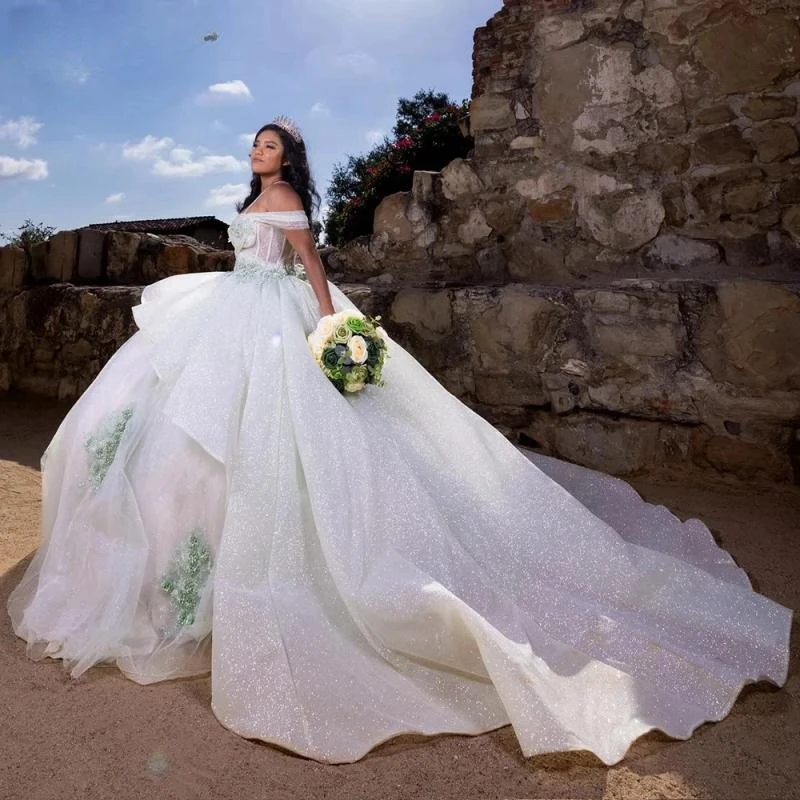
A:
x: 428, y: 135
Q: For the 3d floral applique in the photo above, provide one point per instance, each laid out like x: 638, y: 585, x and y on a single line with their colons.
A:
x: 102, y: 445
x: 184, y: 583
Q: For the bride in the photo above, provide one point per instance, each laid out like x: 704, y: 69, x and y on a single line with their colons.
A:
x: 370, y: 564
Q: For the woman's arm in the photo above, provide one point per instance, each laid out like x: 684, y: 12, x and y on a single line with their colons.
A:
x: 283, y: 198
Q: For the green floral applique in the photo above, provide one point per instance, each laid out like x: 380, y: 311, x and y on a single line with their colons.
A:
x: 190, y: 568
x: 102, y: 445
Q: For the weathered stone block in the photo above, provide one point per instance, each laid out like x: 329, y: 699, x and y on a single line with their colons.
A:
x: 429, y: 313
x: 459, y: 180
x: 754, y: 337
x: 475, y: 228
x: 391, y: 218
x: 560, y: 31
x: 775, y: 141
x: 746, y: 197
x: 623, y: 220
x: 745, y: 249
x: 557, y: 207
x: 722, y: 146
x: 769, y: 107
x: 91, y: 244
x: 791, y: 222
x: 789, y: 190
x: 491, y: 112
x: 714, y: 115
x: 673, y: 252
x: 176, y: 260
x: 663, y: 157
x: 12, y: 267
x: 123, y: 265
x: 745, y: 53
x: 62, y: 256
x: 38, y: 262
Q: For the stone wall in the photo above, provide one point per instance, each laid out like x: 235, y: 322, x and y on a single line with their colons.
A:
x: 65, y: 308
x: 646, y: 138
x: 92, y: 257
x: 614, y: 273
x: 636, y: 376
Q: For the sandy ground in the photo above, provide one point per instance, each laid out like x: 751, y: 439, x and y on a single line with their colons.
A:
x: 104, y: 737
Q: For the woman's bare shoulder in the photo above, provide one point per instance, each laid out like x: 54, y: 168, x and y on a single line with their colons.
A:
x: 282, y: 197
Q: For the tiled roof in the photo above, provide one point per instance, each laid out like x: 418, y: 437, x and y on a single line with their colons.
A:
x: 171, y: 225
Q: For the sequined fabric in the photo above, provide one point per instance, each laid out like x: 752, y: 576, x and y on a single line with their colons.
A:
x: 384, y: 563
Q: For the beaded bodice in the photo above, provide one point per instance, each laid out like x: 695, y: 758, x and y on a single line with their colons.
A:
x: 260, y: 243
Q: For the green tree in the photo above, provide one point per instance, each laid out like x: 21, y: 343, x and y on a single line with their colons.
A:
x: 28, y: 234
x: 428, y: 134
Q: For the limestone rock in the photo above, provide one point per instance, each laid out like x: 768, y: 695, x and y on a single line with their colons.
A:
x: 91, y: 245
x: 714, y: 115
x: 791, y: 222
x: 755, y: 338
x: 62, y: 255
x: 459, y: 179
x: 625, y: 220
x: 556, y: 32
x: 429, y: 313
x: 475, y: 228
x: 391, y: 218
x: 491, y: 112
x: 775, y: 141
x: 557, y: 207
x: 674, y: 251
x: 722, y: 146
x: 769, y: 107
x: 123, y: 265
x: 745, y: 53
x: 12, y: 267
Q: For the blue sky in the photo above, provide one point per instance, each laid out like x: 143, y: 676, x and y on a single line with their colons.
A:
x: 113, y: 110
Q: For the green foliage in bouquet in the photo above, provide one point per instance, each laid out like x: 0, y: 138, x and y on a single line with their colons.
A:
x: 430, y: 131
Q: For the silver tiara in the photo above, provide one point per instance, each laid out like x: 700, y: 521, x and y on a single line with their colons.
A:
x: 288, y: 125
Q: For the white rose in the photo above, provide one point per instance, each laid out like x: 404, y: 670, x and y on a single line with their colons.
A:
x: 358, y: 349
x: 316, y: 345
x: 324, y: 328
x: 353, y: 387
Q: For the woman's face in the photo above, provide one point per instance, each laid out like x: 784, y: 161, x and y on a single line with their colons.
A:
x: 266, y: 155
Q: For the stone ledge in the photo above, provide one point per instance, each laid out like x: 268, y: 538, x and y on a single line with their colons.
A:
x: 639, y: 374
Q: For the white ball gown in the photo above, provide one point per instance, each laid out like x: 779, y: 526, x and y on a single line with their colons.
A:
x: 369, y: 565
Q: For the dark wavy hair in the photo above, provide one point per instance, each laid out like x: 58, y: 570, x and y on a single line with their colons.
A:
x: 295, y: 172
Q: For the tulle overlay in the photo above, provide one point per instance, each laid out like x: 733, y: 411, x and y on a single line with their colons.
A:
x: 370, y: 565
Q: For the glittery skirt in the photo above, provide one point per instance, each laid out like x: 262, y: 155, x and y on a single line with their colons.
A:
x: 370, y: 565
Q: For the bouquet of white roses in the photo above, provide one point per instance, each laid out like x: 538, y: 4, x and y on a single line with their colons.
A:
x: 350, y: 349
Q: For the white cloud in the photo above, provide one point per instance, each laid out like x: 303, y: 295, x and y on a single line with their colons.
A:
x: 227, y: 194
x: 374, y: 136
x: 247, y: 138
x: 115, y: 198
x: 26, y: 169
x: 191, y: 168
x: 228, y: 90
x: 149, y: 147
x: 320, y: 110
x: 180, y: 162
x: 21, y: 131
x: 181, y: 155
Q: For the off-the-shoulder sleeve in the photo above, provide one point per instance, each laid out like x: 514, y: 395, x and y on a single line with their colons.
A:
x: 288, y: 220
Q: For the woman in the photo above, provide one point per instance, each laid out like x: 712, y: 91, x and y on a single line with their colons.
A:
x: 370, y: 565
